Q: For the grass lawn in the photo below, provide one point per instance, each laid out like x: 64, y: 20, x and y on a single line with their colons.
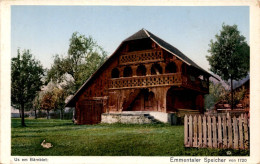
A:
x: 103, y: 140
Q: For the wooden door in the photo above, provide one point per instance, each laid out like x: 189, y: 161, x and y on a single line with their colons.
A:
x: 90, y: 111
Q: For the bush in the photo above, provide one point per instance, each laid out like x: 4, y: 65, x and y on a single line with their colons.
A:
x: 216, y: 93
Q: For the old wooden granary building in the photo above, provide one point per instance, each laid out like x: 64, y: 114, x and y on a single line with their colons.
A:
x: 145, y: 75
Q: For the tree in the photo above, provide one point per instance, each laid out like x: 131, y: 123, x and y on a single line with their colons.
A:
x: 59, y: 100
x: 36, y: 104
x: 47, y: 102
x: 52, y: 98
x: 26, y: 80
x: 229, y: 55
x: 92, y: 62
x: 84, y: 57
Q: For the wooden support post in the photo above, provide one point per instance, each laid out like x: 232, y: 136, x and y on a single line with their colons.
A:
x: 148, y: 68
x: 178, y: 65
x: 121, y: 71
x: 163, y: 65
x: 134, y: 68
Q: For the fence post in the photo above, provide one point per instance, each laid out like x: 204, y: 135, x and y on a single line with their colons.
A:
x: 185, y: 130
x: 241, y: 139
x: 214, y: 128
x: 209, y: 133
x: 195, y: 132
x: 190, y: 131
x: 219, y: 132
x: 230, y: 138
x: 204, y: 132
x: 246, y: 132
x: 224, y: 132
x: 200, y: 131
x: 235, y: 129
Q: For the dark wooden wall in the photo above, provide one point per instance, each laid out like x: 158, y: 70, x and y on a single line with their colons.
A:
x: 141, y: 78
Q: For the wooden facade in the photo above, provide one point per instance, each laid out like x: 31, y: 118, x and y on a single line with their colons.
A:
x: 144, y: 74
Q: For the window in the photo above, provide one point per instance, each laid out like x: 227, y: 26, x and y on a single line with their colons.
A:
x: 156, y: 69
x: 171, y: 68
x: 141, y: 70
x: 115, y: 73
x: 128, y: 72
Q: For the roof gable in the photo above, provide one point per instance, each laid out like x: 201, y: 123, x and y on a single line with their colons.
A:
x: 174, y: 51
x: 142, y: 34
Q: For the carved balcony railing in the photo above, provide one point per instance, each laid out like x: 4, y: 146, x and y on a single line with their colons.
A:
x: 146, y: 81
x: 171, y: 79
x: 141, y: 57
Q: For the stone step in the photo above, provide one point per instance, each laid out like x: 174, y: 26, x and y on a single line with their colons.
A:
x: 151, y: 118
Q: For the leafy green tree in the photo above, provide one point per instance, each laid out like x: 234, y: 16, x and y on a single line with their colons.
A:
x: 52, y: 98
x: 26, y: 80
x: 59, y: 100
x: 36, y: 104
x: 48, y: 102
x: 229, y: 55
x: 84, y: 57
x: 92, y: 62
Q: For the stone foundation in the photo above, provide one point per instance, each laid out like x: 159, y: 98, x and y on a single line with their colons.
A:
x: 138, y: 117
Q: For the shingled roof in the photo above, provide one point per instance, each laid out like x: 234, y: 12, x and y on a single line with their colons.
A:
x: 143, y: 34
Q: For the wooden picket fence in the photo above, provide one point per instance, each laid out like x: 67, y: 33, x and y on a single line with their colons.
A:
x: 216, y: 132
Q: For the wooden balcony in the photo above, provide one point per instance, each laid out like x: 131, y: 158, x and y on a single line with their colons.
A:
x: 146, y: 81
x: 141, y: 57
x: 170, y: 79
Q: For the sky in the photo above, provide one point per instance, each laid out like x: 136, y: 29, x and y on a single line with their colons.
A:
x: 46, y: 30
